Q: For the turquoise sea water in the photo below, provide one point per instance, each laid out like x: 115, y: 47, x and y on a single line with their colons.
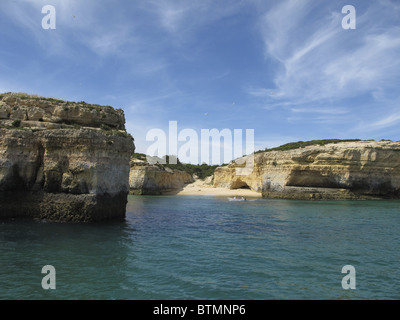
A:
x: 200, y: 247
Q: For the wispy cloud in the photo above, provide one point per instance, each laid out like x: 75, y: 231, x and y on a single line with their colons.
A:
x: 300, y: 73
x: 182, y: 17
x: 150, y: 105
x: 320, y: 110
x: 320, y: 65
x: 325, y: 62
x: 387, y: 121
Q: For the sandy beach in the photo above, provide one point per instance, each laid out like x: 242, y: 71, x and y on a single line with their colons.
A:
x: 205, y: 188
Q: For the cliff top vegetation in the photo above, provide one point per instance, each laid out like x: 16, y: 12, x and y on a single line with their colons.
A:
x: 200, y: 170
x: 302, y: 144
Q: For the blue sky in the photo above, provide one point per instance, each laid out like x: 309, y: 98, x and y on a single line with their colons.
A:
x: 286, y: 69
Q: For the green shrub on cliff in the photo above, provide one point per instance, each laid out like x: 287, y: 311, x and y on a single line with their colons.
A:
x: 25, y: 96
x: 302, y: 144
x: 200, y: 170
x: 16, y: 123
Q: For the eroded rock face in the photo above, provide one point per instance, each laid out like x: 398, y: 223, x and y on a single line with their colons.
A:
x: 153, y: 180
x: 54, y: 112
x: 347, y: 170
x: 62, y: 172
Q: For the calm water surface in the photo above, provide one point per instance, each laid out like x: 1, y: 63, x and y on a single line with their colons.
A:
x: 197, y: 247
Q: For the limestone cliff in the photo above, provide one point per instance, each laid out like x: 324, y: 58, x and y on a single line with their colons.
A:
x: 347, y: 170
x: 153, y: 180
x: 62, y: 161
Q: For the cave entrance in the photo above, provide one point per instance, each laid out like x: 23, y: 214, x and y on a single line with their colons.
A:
x: 239, y: 184
x: 311, y: 178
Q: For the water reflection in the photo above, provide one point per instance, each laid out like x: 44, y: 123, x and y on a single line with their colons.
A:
x: 84, y: 256
x: 173, y: 247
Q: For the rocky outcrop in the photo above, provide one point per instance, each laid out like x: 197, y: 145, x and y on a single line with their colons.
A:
x: 54, y: 113
x: 347, y: 170
x: 147, y: 179
x: 62, y: 161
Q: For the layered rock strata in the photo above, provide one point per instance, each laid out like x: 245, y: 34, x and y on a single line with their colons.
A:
x: 147, y: 179
x: 62, y: 161
x: 347, y: 170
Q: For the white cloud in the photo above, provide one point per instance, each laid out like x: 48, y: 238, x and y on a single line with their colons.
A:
x: 278, y: 24
x: 321, y: 65
x: 320, y: 61
x: 150, y: 105
x: 263, y: 92
x: 370, y: 66
x: 109, y: 41
x: 325, y: 110
x: 387, y: 121
x: 181, y: 17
